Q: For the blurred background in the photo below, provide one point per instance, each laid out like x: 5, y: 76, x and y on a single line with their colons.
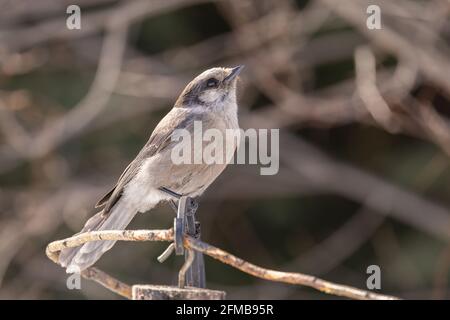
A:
x: 364, y: 138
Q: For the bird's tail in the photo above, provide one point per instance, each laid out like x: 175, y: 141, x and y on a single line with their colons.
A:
x: 79, y: 258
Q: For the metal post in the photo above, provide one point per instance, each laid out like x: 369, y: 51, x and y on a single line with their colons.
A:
x: 195, y: 275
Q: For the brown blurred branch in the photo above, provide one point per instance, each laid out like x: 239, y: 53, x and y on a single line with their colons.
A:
x: 95, y: 100
x: 377, y: 194
x: 55, y: 247
x: 71, y: 123
x: 125, y: 13
x: 433, y: 63
x: 366, y: 84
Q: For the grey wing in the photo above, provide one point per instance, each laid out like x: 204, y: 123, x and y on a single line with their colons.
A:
x: 159, y: 139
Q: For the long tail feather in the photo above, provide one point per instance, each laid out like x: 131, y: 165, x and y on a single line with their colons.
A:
x: 79, y: 258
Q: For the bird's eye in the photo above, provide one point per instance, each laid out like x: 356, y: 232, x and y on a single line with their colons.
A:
x: 212, y: 83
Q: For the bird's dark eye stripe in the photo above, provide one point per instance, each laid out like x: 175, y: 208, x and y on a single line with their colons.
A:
x: 212, y: 83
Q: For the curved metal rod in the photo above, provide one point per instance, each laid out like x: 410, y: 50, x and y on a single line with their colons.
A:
x: 187, y: 264
x: 166, y: 254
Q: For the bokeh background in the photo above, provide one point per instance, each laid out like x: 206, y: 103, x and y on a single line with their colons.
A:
x: 364, y: 138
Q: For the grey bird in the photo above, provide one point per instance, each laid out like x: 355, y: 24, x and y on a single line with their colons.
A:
x: 209, y: 98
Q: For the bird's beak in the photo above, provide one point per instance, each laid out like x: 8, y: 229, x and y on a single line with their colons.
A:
x: 233, y: 74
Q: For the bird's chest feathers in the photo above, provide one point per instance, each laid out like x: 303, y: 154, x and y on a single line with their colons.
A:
x: 224, y: 116
x: 220, y: 135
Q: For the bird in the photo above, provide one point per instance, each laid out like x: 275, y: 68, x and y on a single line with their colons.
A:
x: 152, y: 177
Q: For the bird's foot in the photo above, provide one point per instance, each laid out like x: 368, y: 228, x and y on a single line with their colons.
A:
x: 170, y: 192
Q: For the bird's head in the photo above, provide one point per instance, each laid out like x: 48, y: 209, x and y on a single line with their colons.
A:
x: 213, y: 88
